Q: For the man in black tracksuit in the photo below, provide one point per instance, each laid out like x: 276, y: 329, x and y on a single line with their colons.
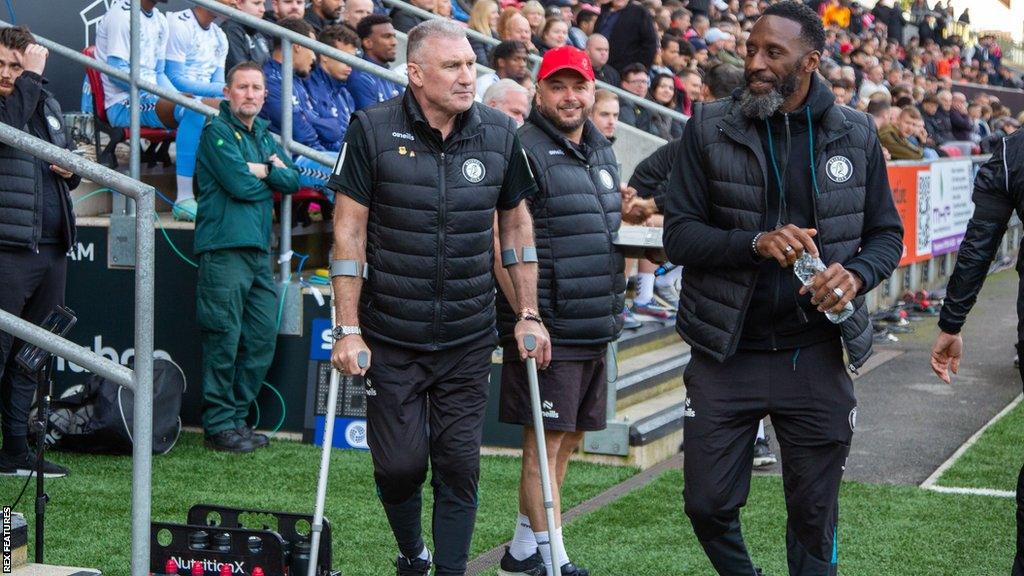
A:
x: 419, y: 179
x: 998, y: 191
x: 581, y: 288
x: 777, y: 170
x: 37, y: 227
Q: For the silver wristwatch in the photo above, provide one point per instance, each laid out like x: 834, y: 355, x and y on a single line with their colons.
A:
x: 340, y: 332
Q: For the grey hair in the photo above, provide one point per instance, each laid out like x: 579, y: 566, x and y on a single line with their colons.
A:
x: 500, y: 90
x: 431, y: 29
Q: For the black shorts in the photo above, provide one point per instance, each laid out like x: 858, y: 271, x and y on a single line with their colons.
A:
x: 573, y: 395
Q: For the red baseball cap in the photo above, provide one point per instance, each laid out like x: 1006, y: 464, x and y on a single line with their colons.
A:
x: 565, y: 58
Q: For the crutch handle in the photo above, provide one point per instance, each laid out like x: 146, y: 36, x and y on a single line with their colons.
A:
x: 362, y: 359
x: 530, y: 342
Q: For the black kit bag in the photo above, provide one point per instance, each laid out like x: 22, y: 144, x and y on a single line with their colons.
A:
x: 96, y: 417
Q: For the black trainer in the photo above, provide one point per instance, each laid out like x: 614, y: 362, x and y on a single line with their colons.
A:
x: 260, y: 440
x: 570, y: 569
x: 414, y: 567
x: 532, y: 566
x: 230, y: 441
x: 25, y: 465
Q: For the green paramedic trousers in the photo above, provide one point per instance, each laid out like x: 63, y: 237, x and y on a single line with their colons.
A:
x: 236, y: 306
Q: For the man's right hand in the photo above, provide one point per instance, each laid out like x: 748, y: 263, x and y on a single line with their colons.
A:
x: 34, y: 58
x: 345, y: 355
x: 946, y: 355
x: 258, y: 170
x: 787, y: 244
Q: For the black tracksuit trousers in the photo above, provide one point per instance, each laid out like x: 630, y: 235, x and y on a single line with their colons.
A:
x: 810, y: 399
x: 1018, y: 560
x: 32, y: 286
x: 429, y: 407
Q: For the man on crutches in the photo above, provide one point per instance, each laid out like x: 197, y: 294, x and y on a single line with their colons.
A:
x: 418, y: 182
x: 580, y: 290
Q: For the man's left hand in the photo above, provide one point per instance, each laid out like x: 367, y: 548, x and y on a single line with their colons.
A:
x: 63, y: 173
x: 277, y: 161
x: 823, y: 288
x: 543, y: 350
x: 638, y: 210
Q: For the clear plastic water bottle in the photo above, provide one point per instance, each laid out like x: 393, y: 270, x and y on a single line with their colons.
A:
x: 805, y: 267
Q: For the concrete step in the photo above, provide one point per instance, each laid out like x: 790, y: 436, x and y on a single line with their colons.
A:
x: 647, y: 375
x: 656, y: 427
x: 650, y: 336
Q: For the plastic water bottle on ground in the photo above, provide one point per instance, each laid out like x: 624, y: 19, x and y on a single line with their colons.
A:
x: 805, y: 267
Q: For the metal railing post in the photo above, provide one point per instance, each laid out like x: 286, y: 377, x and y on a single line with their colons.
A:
x: 286, y: 139
x: 142, y: 434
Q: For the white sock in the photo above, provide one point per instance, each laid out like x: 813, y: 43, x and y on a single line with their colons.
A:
x: 669, y: 278
x: 760, y: 430
x: 524, y: 543
x: 424, y: 554
x: 184, y: 188
x: 561, y: 557
x: 542, y: 545
x: 644, y: 288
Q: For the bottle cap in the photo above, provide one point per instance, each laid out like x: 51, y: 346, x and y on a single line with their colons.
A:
x: 171, y: 567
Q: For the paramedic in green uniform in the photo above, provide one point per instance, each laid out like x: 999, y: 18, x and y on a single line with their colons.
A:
x: 238, y: 168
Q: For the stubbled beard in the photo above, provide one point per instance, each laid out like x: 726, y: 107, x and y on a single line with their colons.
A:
x: 764, y: 105
x: 565, y: 127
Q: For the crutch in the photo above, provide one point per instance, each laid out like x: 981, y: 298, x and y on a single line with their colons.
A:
x: 530, y: 343
x: 325, y: 458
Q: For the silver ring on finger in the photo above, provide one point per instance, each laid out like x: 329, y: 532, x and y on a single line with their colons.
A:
x: 788, y: 249
x: 838, y: 292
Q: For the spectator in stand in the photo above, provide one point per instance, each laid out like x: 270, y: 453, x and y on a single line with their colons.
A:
x: 597, y: 49
x: 328, y: 84
x: 681, y: 18
x: 510, y: 61
x: 936, y: 120
x: 323, y: 13
x: 636, y: 81
x: 891, y: 18
x: 356, y: 10
x: 586, y: 21
x: 512, y: 25
x: 555, y: 34
x: 878, y: 108
x: 404, y: 20
x: 721, y: 81
x: 980, y: 128
x: 669, y: 60
x: 196, y: 51
x: 717, y: 41
x: 308, y: 128
x: 509, y: 97
x: 842, y: 89
x: 700, y: 52
x: 699, y: 7
x: 896, y: 136
x: 1001, y: 128
x: 873, y: 83
x: 246, y: 44
x: 483, y: 18
x: 605, y: 113
x: 377, y: 37
x: 690, y: 89
x: 663, y: 91
x: 959, y: 118
x: 534, y: 13
x: 631, y: 34
x: 281, y: 9
x: 701, y: 25
x: 837, y: 13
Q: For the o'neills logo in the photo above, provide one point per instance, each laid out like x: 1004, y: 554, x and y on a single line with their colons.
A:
x: 209, y: 565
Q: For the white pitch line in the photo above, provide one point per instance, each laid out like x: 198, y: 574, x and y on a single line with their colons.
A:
x: 972, y: 491
x: 929, y: 484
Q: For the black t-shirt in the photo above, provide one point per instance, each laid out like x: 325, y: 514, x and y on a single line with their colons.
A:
x: 353, y: 175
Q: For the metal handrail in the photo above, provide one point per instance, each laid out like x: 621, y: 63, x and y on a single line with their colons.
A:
x: 139, y: 380
x: 629, y: 96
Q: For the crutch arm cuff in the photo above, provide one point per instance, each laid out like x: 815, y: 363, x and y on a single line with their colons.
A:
x: 350, y: 268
